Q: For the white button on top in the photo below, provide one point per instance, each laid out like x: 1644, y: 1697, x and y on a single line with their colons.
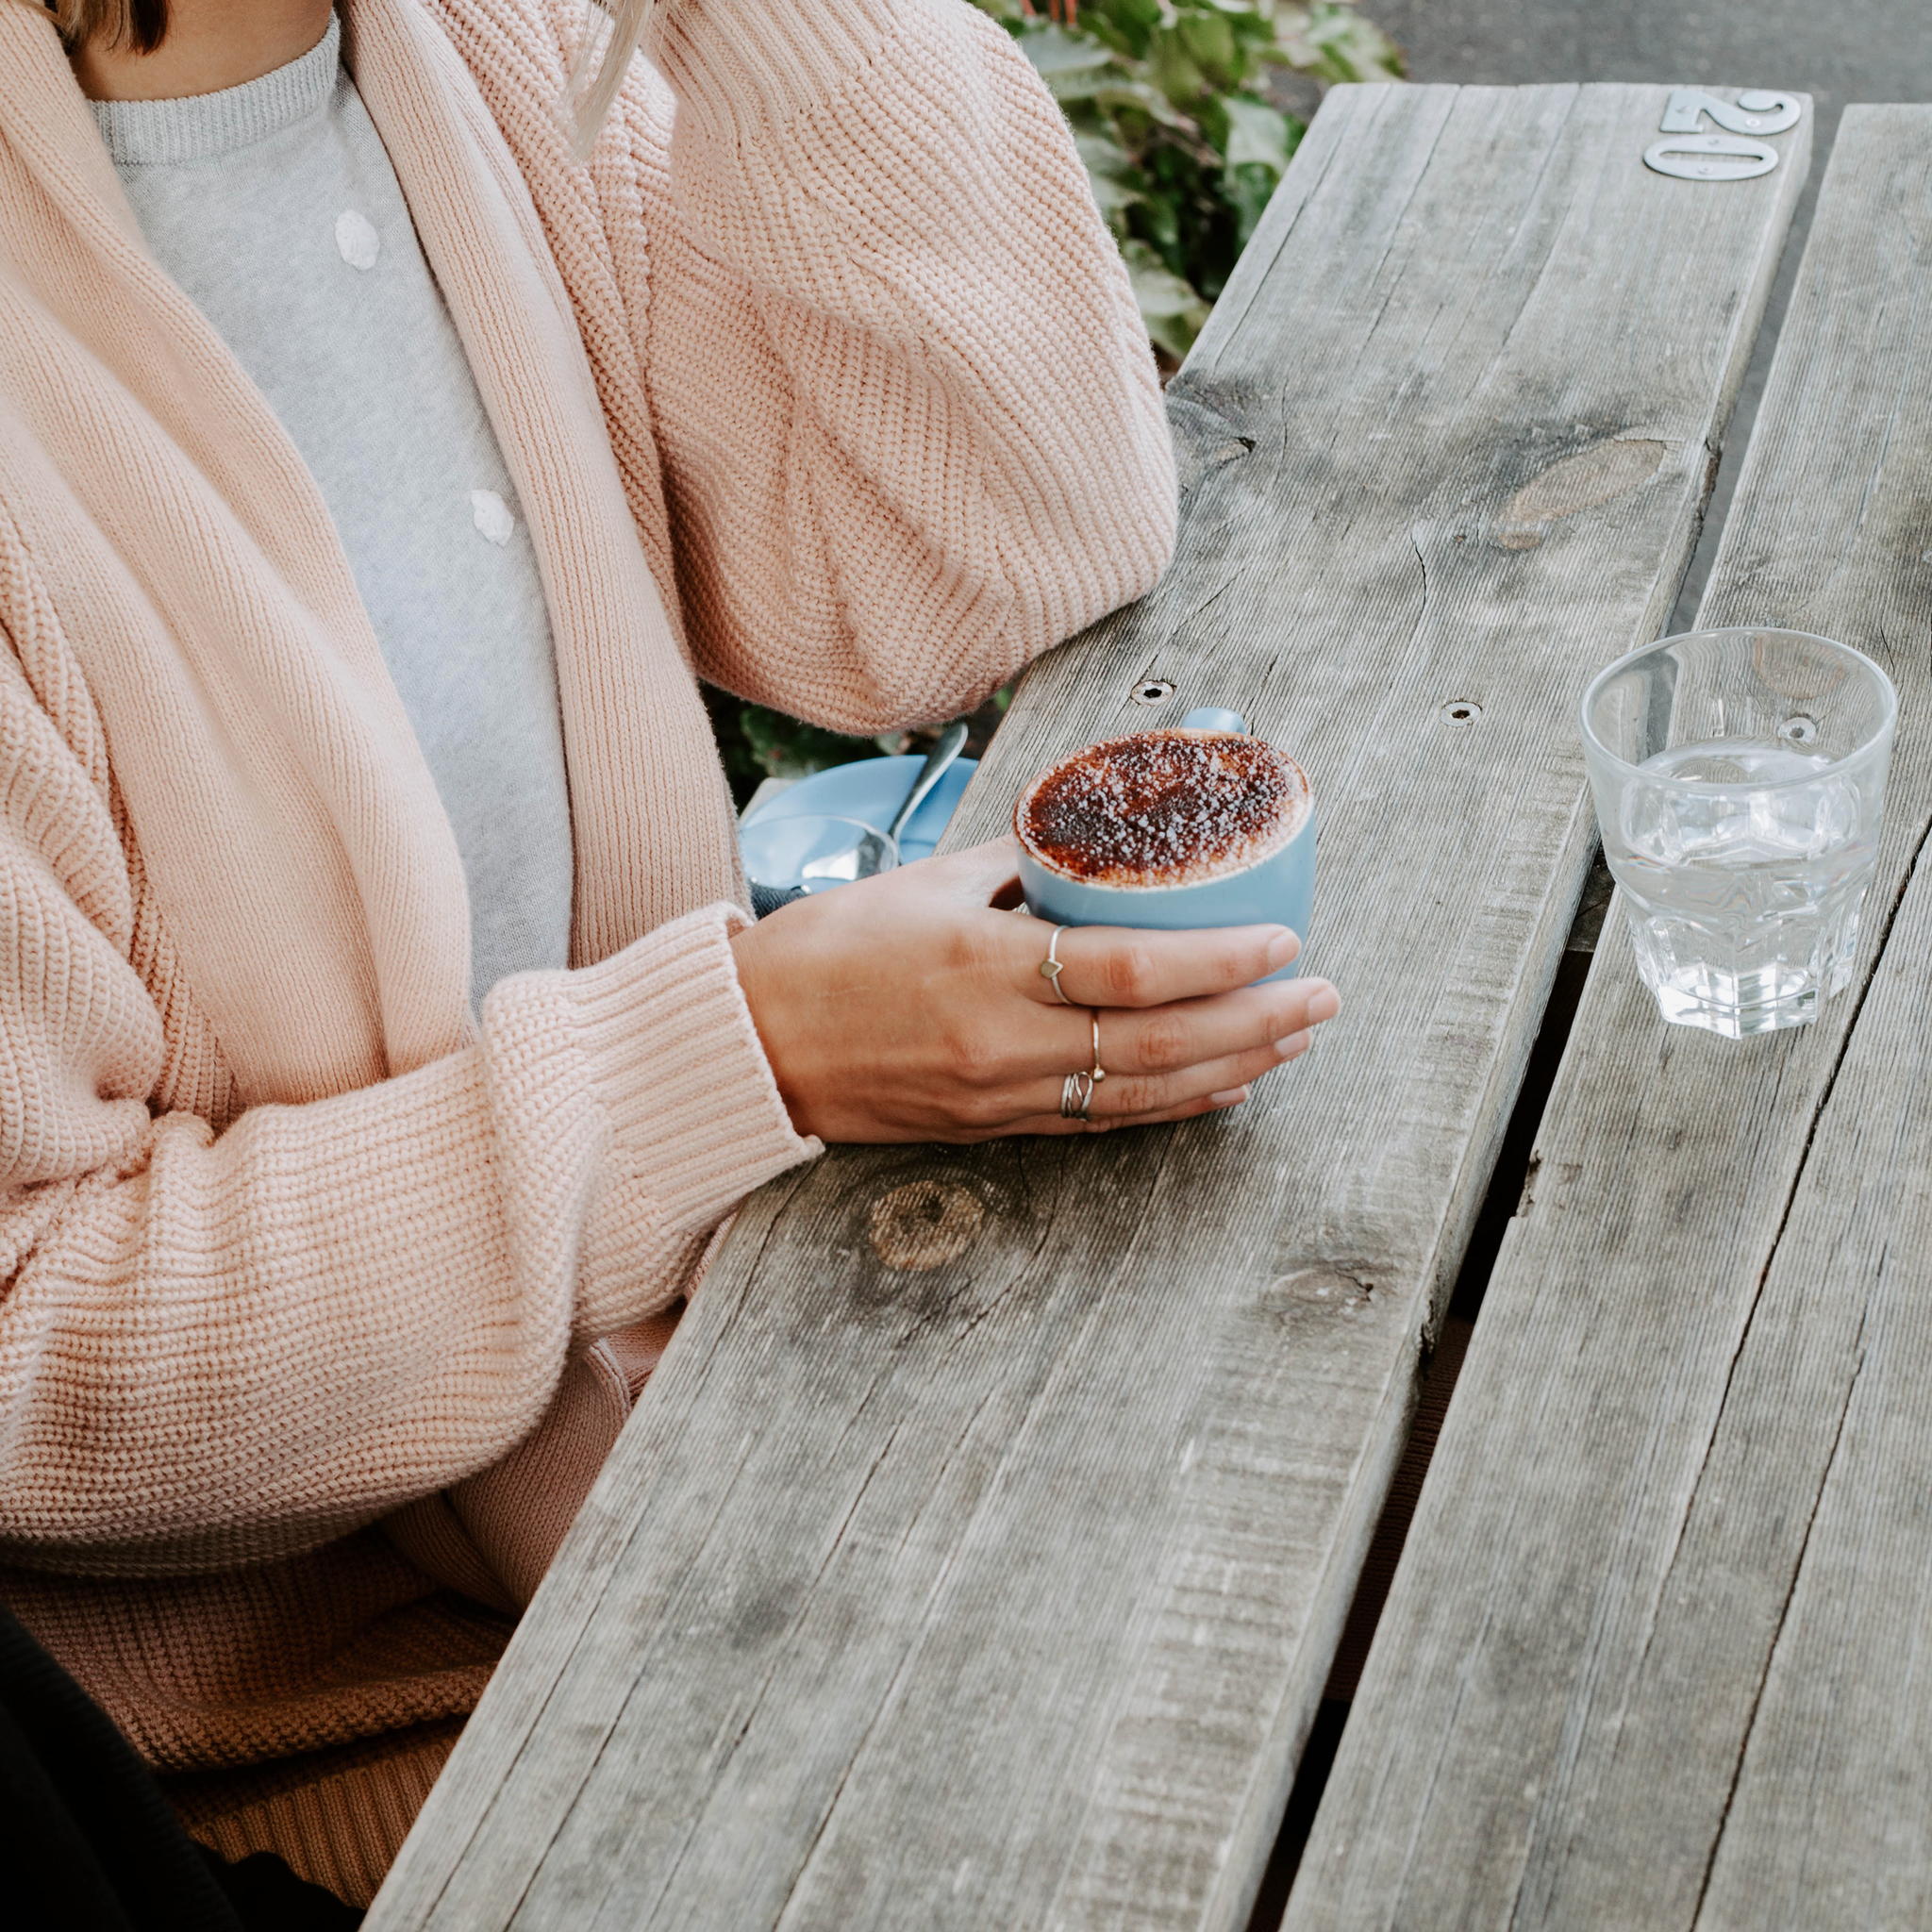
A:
x: 357, y: 240
x: 492, y: 515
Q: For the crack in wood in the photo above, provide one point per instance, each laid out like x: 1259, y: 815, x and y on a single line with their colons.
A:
x: 1822, y: 1103
x: 1717, y: 1838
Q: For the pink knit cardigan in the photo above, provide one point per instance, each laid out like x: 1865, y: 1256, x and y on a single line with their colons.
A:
x: 821, y: 377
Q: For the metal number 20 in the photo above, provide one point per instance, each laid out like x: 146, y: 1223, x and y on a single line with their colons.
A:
x: 1693, y: 155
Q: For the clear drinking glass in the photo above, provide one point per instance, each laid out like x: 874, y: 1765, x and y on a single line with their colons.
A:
x: 1740, y: 779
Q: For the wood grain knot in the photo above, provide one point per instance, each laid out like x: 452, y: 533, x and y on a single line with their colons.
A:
x: 1320, y: 1291
x: 1204, y: 441
x: 1600, y: 474
x: 1796, y: 667
x: 924, y: 1225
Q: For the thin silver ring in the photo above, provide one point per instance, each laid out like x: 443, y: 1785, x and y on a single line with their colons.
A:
x: 1051, y: 968
x: 1076, y: 1096
x: 1099, y: 1071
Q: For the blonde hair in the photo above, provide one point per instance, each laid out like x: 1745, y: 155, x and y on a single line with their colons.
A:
x: 610, y: 38
x: 138, y: 25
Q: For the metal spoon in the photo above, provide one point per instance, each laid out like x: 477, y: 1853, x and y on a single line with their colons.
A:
x: 785, y: 857
x: 814, y: 854
x: 952, y: 742
x: 870, y: 855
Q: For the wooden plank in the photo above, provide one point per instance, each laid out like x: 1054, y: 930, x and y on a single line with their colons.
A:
x: 1677, y: 1516
x: 991, y: 1579
x: 1825, y: 1822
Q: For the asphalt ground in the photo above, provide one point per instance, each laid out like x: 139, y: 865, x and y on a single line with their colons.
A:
x: 1836, y: 51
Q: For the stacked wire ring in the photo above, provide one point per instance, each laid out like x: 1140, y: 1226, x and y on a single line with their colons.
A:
x: 1076, y: 1090
x: 1050, y: 970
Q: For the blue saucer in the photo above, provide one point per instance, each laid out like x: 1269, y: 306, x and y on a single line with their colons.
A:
x: 872, y: 789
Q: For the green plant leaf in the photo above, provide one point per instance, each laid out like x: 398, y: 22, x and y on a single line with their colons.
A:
x: 1066, y: 61
x: 1115, y: 93
x: 788, y: 748
x: 1172, y: 311
x: 1208, y: 41
x: 1128, y: 23
x: 1111, y: 175
x: 1331, y: 41
x: 1102, y: 155
x: 1256, y: 133
x: 1248, y: 190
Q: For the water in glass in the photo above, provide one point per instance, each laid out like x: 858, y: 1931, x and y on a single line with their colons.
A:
x: 1740, y: 782
x: 1743, y: 905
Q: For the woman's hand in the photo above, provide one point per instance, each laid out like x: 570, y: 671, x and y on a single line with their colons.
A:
x: 907, y: 1007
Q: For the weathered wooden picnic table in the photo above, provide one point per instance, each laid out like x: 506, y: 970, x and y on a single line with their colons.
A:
x: 1659, y: 1650
x: 977, y: 1555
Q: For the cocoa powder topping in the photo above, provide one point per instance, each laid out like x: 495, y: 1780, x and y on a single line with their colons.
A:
x: 1162, y: 808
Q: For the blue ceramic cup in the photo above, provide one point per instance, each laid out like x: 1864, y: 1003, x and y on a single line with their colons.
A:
x: 1275, y: 890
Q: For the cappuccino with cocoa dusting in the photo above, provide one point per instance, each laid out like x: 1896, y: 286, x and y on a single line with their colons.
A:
x: 1163, y: 809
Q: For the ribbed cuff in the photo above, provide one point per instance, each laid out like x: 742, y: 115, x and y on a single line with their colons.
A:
x: 680, y: 1071
x: 764, y: 63
x: 638, y: 1109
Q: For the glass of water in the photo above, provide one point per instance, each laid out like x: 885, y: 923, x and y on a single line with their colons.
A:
x: 1740, y: 779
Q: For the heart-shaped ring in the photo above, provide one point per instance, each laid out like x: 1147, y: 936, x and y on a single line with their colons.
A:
x: 1050, y: 967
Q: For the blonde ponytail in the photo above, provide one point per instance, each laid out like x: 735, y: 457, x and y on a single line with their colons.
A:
x: 610, y: 38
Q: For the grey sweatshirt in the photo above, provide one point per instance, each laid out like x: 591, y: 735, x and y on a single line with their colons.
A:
x: 275, y: 208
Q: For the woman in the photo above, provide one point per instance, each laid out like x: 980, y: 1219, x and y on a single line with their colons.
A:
x: 383, y: 1043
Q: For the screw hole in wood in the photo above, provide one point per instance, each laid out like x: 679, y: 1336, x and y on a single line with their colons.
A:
x: 1460, y: 712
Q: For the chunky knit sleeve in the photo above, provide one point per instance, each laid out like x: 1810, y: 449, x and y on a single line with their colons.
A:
x: 884, y: 408
x: 911, y: 427
x: 218, y: 1346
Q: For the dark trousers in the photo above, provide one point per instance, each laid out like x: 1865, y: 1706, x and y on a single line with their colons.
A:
x: 89, y: 1844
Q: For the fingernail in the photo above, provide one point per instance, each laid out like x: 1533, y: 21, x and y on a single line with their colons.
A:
x: 1295, y: 1043
x: 1324, y: 1004
x: 1231, y: 1096
x: 1282, y: 948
